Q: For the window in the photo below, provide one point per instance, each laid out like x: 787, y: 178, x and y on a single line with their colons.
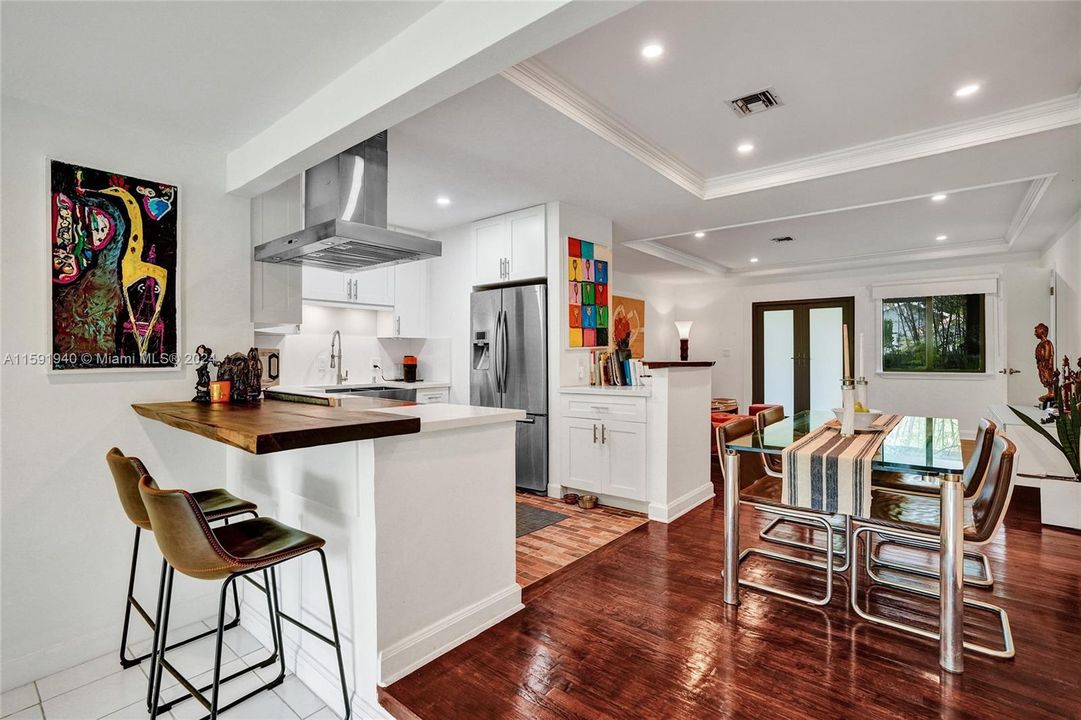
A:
x: 940, y: 333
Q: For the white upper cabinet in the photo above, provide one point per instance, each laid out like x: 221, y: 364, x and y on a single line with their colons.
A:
x: 527, y: 244
x: 276, y: 288
x: 410, y: 317
x: 490, y: 248
x: 510, y: 247
x: 366, y: 287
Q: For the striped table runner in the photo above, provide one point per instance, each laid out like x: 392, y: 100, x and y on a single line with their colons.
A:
x: 826, y: 472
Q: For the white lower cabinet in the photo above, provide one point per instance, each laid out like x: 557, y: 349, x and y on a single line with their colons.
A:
x: 605, y: 456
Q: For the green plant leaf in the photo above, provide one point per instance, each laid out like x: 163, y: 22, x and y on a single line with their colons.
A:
x: 1038, y: 428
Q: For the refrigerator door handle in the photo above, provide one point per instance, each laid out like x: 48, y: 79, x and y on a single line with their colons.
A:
x: 497, y: 351
x: 506, y: 350
x: 529, y: 419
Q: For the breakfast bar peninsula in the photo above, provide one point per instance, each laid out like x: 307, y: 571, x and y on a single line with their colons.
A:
x: 416, y: 503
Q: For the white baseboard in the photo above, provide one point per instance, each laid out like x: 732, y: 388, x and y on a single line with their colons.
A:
x: 423, y: 646
x: 681, y: 505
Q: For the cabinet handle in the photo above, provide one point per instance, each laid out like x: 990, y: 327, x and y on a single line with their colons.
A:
x: 398, y: 325
x: 604, y: 434
x: 594, y: 433
x: 356, y: 289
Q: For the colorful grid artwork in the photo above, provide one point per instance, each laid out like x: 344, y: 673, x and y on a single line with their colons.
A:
x: 587, y: 293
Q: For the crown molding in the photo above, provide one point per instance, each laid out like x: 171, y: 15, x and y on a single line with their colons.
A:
x: 1037, y: 187
x: 694, y: 262
x: 1041, y: 117
x: 1028, y: 206
x: 542, y: 83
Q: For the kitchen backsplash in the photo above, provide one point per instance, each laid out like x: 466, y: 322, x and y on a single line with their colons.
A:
x: 305, y: 358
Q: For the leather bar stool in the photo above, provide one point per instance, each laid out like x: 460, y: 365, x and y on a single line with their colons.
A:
x: 227, y: 553
x: 928, y: 485
x: 215, y: 504
x: 917, y: 517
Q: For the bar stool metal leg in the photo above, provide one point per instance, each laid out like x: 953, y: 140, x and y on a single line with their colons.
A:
x: 337, y: 638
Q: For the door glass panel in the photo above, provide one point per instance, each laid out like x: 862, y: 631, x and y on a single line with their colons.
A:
x: 827, y: 357
x: 778, y: 349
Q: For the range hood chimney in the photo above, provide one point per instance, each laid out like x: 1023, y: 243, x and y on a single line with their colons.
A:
x: 345, y: 217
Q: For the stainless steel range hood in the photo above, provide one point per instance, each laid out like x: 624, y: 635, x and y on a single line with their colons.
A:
x: 345, y: 217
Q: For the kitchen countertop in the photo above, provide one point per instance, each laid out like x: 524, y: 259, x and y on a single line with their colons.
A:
x: 274, y: 425
x: 662, y: 364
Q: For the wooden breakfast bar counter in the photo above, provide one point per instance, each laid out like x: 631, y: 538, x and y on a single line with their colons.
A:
x: 416, y: 503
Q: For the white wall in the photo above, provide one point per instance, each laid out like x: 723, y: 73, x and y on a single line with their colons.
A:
x: 450, y: 280
x: 721, y: 311
x: 1064, y: 256
x: 66, y: 541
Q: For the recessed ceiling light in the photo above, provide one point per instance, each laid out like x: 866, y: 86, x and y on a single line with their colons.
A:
x: 754, y: 259
x: 699, y: 234
x: 940, y: 238
x: 939, y: 197
x: 442, y: 200
x: 744, y: 148
x: 653, y: 50
x: 966, y: 90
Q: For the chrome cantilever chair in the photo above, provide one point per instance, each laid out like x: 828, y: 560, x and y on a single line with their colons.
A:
x: 764, y: 495
x: 916, y: 518
x: 228, y: 553
x: 773, y: 468
x: 215, y: 504
x: 972, y: 478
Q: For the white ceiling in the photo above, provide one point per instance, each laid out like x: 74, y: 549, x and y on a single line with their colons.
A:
x: 217, y: 73
x: 980, y: 216
x: 848, y: 73
x: 211, y: 73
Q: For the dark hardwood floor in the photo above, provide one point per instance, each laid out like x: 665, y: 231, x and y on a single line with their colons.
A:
x: 639, y: 630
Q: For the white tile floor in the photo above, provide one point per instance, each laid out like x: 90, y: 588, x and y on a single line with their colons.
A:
x: 101, y: 689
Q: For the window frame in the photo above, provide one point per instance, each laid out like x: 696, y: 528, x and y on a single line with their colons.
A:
x: 926, y: 371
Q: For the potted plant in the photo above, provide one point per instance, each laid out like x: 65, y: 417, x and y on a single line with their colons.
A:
x: 1067, y: 423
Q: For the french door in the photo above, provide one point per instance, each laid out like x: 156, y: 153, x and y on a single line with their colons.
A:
x: 797, y: 352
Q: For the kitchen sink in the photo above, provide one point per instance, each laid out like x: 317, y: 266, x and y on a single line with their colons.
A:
x: 376, y: 391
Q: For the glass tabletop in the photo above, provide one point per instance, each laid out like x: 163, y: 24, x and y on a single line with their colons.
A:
x: 917, y: 444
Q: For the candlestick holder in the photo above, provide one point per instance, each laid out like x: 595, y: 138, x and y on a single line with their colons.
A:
x: 861, y: 393
x: 848, y: 416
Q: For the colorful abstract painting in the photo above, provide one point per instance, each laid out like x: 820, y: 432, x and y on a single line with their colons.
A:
x: 587, y: 293
x: 629, y: 318
x: 114, y: 281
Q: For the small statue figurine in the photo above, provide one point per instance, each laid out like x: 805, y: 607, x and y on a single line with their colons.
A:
x: 205, y: 358
x: 1045, y: 365
x: 234, y: 368
x: 255, y: 376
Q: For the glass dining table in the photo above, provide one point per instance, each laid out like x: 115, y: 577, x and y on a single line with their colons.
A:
x: 917, y: 444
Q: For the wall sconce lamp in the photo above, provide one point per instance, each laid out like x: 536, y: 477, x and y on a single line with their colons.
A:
x: 684, y: 329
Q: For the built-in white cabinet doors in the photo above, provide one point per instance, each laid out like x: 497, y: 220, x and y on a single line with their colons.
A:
x: 276, y: 288
x: 367, y: 287
x: 409, y: 316
x: 605, y: 456
x: 510, y: 247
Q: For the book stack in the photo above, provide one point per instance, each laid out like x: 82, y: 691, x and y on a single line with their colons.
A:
x: 606, y: 369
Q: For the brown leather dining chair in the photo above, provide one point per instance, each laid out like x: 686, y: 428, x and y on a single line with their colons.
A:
x: 917, y: 517
x: 975, y: 471
x: 763, y: 493
x: 217, y: 504
x: 765, y: 418
x: 227, y: 553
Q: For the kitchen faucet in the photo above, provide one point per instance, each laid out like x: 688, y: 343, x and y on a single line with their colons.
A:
x: 337, y: 364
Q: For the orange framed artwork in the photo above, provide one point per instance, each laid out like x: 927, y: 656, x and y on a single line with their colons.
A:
x: 629, y: 318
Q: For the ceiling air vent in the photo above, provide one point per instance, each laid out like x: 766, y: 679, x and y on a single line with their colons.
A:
x: 784, y: 239
x: 755, y: 102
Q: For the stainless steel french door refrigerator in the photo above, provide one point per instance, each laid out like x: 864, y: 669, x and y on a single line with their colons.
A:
x: 509, y: 368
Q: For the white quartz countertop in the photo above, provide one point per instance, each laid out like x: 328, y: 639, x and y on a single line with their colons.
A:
x: 445, y: 416
x: 319, y: 389
x: 621, y: 390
